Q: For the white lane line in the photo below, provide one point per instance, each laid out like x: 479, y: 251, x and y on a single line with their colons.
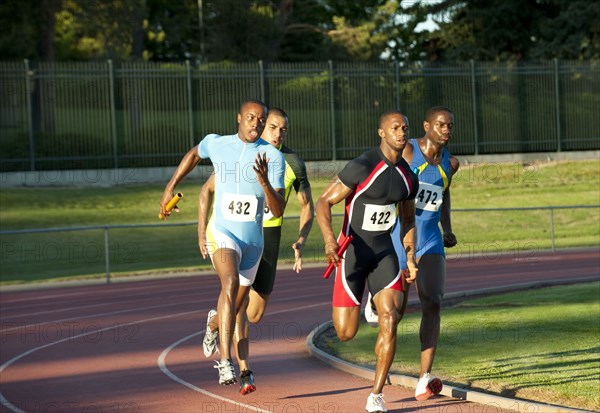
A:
x: 119, y: 298
x: 62, y: 296
x: 7, y: 329
x: 163, y: 365
x: 3, y: 367
x: 151, y: 307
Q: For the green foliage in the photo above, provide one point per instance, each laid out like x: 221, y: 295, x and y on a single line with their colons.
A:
x: 307, y: 30
x: 515, y: 30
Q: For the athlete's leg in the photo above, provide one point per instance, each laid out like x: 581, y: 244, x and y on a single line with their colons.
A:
x: 346, y: 321
x: 389, y: 305
x: 431, y: 283
x: 257, y: 306
x: 242, y: 344
x: 265, y: 275
x: 226, y: 262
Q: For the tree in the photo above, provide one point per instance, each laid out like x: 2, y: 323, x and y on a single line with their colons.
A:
x: 27, y: 29
x: 514, y: 30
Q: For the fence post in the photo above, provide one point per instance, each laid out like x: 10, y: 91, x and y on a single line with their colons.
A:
x: 552, y: 229
x: 190, y: 101
x: 474, y: 105
x: 113, y: 116
x: 557, y: 97
x: 332, y: 108
x: 107, y: 255
x: 398, y: 86
x: 28, y: 91
x: 261, y: 67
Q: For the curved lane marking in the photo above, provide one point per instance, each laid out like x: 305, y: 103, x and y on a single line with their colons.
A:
x: 163, y: 365
x: 3, y: 367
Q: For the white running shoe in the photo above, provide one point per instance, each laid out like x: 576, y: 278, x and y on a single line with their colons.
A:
x: 226, y: 372
x: 428, y: 386
x: 371, y: 313
x: 375, y: 403
x: 210, y: 343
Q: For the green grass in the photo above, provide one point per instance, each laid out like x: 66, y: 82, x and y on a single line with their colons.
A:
x: 34, y: 257
x: 541, y: 345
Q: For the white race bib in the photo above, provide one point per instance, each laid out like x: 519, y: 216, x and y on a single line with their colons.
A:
x: 240, y: 208
x: 379, y: 217
x: 429, y: 197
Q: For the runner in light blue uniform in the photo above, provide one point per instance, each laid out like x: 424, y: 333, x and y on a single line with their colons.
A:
x: 236, y: 222
x: 249, y: 174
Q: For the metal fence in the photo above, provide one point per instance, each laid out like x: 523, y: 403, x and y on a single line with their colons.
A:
x: 57, y: 116
x: 38, y: 254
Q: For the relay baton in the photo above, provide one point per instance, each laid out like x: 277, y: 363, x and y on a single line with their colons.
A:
x: 171, y: 204
x: 341, y: 250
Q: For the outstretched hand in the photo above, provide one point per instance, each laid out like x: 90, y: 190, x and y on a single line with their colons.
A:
x: 261, y: 167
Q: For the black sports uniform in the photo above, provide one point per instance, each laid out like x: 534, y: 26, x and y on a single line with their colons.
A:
x: 378, y: 186
x: 296, y: 177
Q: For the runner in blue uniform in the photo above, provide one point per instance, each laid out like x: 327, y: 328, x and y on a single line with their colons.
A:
x: 430, y: 159
x: 375, y: 186
x: 248, y: 176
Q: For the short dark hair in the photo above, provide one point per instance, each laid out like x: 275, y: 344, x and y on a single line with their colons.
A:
x: 253, y: 101
x: 278, y: 111
x: 389, y: 113
x: 431, y: 112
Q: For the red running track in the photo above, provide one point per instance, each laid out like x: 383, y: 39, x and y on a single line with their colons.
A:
x: 136, y: 347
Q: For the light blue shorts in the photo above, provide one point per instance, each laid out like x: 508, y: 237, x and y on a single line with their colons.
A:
x: 248, y: 253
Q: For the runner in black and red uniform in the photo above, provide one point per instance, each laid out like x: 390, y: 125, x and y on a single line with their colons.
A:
x: 377, y: 186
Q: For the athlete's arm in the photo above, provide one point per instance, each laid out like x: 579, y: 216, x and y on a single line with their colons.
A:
x: 205, y: 200
x: 187, y: 164
x: 335, y: 193
x: 408, y: 237
x: 274, y: 197
x: 307, y: 213
x: 448, y: 236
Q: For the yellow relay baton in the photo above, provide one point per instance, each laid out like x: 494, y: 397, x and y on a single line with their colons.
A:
x: 171, y: 204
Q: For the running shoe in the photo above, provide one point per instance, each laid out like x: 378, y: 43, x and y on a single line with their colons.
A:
x: 226, y: 372
x: 428, y: 386
x: 210, y: 343
x: 371, y: 312
x: 247, y: 382
x: 375, y: 403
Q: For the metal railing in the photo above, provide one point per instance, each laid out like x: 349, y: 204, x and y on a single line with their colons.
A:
x: 105, y: 251
x: 92, y: 115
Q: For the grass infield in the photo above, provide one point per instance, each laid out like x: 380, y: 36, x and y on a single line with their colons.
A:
x: 81, y: 254
x: 541, y: 345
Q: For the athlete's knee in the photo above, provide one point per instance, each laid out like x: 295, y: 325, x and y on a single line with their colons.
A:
x: 345, y: 331
x: 345, y: 335
x: 431, y: 305
x: 388, y: 321
x: 255, y: 314
x: 230, y: 284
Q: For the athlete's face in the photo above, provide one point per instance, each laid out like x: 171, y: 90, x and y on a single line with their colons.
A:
x: 275, y: 130
x: 394, y: 132
x: 439, y: 130
x: 251, y: 121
